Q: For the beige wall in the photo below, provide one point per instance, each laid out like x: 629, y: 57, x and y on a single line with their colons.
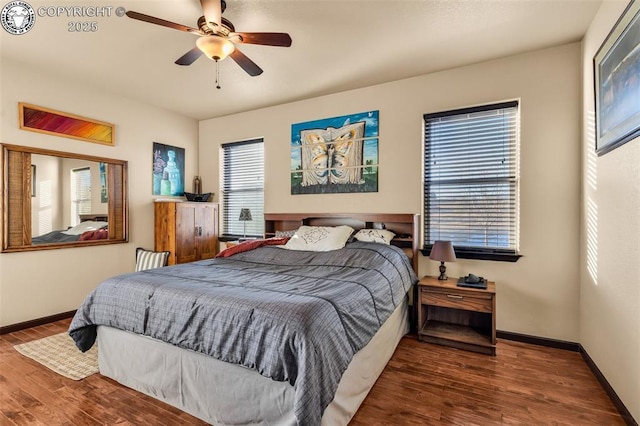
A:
x: 610, y: 240
x: 38, y: 284
x: 537, y: 295
x: 47, y: 205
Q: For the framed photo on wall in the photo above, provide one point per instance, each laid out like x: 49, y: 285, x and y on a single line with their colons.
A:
x: 335, y: 155
x: 168, y: 170
x: 617, y: 83
x: 57, y: 123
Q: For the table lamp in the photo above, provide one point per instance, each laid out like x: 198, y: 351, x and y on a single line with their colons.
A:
x: 245, y: 215
x: 442, y: 251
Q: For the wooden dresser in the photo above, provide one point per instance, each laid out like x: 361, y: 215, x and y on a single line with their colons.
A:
x: 188, y: 230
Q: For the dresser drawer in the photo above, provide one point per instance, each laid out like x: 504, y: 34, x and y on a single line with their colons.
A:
x: 457, y: 301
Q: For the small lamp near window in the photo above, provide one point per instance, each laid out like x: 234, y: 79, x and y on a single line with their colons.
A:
x: 245, y: 216
x: 443, y: 252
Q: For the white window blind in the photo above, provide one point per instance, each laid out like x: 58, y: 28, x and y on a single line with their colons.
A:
x: 80, y: 193
x: 471, y: 179
x: 243, y: 187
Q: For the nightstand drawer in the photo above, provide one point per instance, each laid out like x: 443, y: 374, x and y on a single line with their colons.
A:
x: 457, y: 301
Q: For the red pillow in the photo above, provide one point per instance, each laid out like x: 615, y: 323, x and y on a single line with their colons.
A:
x: 252, y: 244
x: 98, y: 234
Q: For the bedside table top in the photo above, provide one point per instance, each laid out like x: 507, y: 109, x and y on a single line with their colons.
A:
x: 451, y: 283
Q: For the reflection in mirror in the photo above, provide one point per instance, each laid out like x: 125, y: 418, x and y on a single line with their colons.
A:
x: 55, y: 199
x: 70, y: 200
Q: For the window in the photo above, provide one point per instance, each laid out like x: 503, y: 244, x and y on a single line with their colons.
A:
x: 471, y: 181
x: 80, y: 193
x: 243, y: 187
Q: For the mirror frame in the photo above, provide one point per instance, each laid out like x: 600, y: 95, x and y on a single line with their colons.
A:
x: 16, y: 199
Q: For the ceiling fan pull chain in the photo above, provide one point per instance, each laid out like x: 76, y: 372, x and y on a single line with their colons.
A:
x: 217, y: 74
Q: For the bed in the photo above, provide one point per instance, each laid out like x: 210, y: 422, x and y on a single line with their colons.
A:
x: 266, y: 336
x: 91, y: 227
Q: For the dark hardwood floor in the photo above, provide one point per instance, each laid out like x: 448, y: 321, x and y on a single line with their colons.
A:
x: 423, y: 384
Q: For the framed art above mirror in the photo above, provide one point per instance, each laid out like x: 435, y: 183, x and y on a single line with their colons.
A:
x: 74, y: 200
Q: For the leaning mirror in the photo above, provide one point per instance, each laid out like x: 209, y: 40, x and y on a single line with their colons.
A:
x: 54, y: 199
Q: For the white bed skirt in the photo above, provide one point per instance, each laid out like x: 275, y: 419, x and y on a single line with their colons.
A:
x: 227, y: 394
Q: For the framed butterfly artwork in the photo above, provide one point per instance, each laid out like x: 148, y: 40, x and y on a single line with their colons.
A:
x: 335, y: 155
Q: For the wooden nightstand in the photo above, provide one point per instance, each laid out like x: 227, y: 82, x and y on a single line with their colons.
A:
x: 460, y: 317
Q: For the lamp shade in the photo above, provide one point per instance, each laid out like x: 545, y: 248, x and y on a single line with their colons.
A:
x: 215, y: 47
x: 442, y: 251
x: 245, y: 215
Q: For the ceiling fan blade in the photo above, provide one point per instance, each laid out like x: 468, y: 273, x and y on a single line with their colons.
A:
x: 212, y: 12
x: 189, y: 57
x: 245, y: 63
x: 161, y: 22
x: 267, y: 39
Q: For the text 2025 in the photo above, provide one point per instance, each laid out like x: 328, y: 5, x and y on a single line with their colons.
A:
x: 82, y: 27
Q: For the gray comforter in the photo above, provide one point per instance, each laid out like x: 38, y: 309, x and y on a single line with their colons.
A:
x: 54, y: 237
x: 293, y: 316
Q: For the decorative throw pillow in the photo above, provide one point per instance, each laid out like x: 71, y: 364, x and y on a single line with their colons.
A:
x: 98, y: 234
x: 284, y: 234
x: 319, y: 238
x: 375, y: 236
x: 147, y: 259
x: 252, y: 244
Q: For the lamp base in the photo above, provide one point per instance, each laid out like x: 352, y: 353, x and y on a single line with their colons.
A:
x: 443, y: 272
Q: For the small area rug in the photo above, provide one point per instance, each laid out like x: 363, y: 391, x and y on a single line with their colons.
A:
x: 60, y: 354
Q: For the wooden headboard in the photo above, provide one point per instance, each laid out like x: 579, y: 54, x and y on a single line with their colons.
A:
x: 103, y: 217
x: 406, y: 226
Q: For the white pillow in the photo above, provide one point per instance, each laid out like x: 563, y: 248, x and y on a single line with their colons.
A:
x: 82, y: 227
x: 319, y: 238
x: 375, y: 236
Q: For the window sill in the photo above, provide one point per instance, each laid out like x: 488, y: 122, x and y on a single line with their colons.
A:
x: 467, y: 254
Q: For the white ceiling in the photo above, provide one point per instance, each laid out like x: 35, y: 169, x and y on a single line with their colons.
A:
x: 337, y: 46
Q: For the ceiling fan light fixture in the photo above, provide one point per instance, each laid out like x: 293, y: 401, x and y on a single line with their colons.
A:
x: 215, y: 47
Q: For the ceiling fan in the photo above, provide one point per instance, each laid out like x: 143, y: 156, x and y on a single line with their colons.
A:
x: 218, y: 37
